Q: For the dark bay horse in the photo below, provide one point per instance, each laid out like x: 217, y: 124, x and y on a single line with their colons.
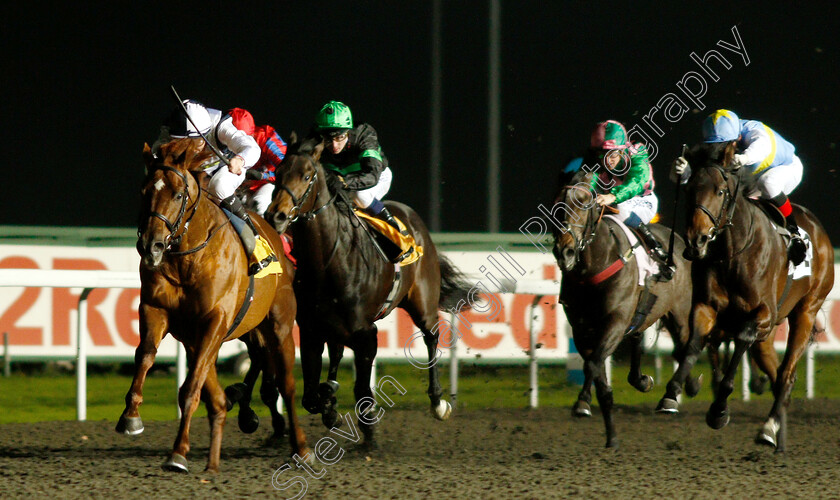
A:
x: 601, y: 305
x: 194, y: 282
x: 342, y: 283
x: 741, y: 283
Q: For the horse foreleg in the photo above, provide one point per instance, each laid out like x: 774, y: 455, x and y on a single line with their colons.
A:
x: 327, y: 389
x: 701, y: 322
x: 311, y: 350
x: 241, y: 392
x: 280, y: 362
x: 718, y: 415
x: 199, y: 360
x: 364, y: 349
x: 153, y: 326
x: 215, y: 400
x: 801, y: 325
x: 642, y: 383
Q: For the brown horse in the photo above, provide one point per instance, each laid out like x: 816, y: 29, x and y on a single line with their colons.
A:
x: 741, y: 282
x: 604, y: 306
x: 343, y: 285
x: 194, y: 282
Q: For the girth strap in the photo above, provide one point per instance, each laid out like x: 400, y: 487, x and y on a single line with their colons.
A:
x: 249, y: 296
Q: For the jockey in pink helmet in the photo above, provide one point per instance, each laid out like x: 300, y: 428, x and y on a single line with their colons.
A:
x: 767, y: 155
x: 624, y: 177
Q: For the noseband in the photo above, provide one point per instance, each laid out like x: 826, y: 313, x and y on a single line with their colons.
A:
x: 295, y: 212
x: 175, y: 227
x: 727, y: 207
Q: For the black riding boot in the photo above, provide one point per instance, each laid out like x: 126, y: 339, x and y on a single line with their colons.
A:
x: 387, y: 217
x: 234, y: 205
x: 798, y: 249
x: 666, y: 272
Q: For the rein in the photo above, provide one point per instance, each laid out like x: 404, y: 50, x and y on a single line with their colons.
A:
x: 174, y: 227
x: 727, y: 207
x: 590, y: 228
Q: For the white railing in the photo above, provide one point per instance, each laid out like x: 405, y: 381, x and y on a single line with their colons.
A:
x: 91, y: 280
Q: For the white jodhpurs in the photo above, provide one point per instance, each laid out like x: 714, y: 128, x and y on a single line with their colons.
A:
x: 258, y: 200
x: 780, y: 179
x: 638, y: 210
x: 365, y: 197
x: 223, y: 183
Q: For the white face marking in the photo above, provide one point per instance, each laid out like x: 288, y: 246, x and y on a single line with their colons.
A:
x: 159, y: 185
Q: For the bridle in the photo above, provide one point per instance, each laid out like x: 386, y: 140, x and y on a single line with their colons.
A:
x: 175, y: 227
x: 589, y: 227
x: 295, y: 211
x: 727, y: 207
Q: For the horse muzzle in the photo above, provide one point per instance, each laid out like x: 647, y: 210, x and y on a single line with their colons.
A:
x: 565, y: 256
x: 151, y: 252
x: 696, y: 248
x: 280, y: 221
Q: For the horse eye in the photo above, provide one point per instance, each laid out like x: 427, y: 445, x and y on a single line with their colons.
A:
x: 307, y: 177
x: 178, y: 196
x: 721, y: 192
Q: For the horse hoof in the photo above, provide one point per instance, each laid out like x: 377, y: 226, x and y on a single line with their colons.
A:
x: 693, y: 385
x: 234, y: 394
x: 668, y: 406
x: 248, y: 420
x: 130, y: 426
x: 644, y: 383
x: 767, y: 434
x: 581, y: 409
x: 328, y: 389
x: 442, y: 410
x: 758, y: 385
x: 176, y: 463
x: 612, y: 443
x: 330, y: 418
x: 717, y: 420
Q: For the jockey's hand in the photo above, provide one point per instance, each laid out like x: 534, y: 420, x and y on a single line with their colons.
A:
x: 738, y: 161
x: 680, y: 170
x: 605, y: 199
x: 236, y: 165
x: 680, y: 165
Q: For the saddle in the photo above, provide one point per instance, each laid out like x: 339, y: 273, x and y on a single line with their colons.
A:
x: 261, y: 259
x: 392, y: 241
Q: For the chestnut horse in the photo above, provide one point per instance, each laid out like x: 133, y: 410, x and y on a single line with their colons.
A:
x: 741, y: 282
x: 603, y: 306
x: 194, y: 282
x: 343, y: 284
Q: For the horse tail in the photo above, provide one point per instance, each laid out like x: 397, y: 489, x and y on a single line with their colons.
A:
x: 454, y: 287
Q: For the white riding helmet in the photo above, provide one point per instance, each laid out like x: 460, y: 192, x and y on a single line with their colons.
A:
x: 180, y: 126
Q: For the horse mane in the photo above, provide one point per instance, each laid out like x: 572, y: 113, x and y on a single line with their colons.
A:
x: 185, y: 152
x: 719, y: 155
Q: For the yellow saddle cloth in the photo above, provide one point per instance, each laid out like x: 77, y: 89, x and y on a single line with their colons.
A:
x: 261, y: 252
x: 405, y: 243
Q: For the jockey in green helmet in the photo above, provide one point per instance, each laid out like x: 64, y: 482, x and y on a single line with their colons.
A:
x: 624, y: 177
x: 353, y: 153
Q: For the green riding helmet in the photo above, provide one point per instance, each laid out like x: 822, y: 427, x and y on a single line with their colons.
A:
x: 334, y: 118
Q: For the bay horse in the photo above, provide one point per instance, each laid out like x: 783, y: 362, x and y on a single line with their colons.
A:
x: 741, y: 283
x: 342, y: 283
x: 603, y: 300
x: 195, y: 285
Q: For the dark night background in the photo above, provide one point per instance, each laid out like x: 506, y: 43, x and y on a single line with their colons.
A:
x: 85, y: 86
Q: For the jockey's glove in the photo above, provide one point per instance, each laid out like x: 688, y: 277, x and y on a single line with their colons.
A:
x: 680, y: 170
x: 738, y: 161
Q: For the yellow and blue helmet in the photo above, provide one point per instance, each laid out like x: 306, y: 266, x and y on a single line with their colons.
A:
x: 721, y: 126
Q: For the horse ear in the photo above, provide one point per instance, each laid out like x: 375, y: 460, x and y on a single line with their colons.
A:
x: 148, y: 156
x: 316, y: 153
x: 728, y: 153
x: 293, y: 138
